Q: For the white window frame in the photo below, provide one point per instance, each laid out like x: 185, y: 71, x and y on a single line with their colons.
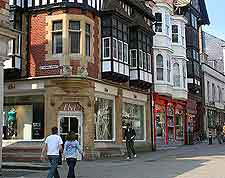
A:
x: 121, y: 43
x: 109, y: 97
x: 184, y: 75
x: 167, y: 24
x: 116, y: 58
x: 168, y: 66
x: 162, y: 68
x: 135, y: 57
x: 176, y: 75
x: 145, y: 67
x: 127, y: 51
x: 109, y: 47
x: 161, y: 23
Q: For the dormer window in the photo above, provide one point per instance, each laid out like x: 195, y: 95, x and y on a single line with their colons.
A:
x: 158, y: 25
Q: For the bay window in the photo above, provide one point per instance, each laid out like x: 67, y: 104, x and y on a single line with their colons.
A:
x: 149, y: 59
x: 57, y: 43
x: 184, y: 75
x: 120, y: 50
x: 74, y: 35
x: 159, y: 66
x: 167, y: 24
x: 145, y: 64
x: 141, y: 59
x: 168, y: 69
x: 115, y: 49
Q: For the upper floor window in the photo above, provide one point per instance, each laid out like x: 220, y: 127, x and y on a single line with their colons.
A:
x: 195, y: 54
x: 176, y: 75
x: 158, y: 25
x: 106, y: 47
x: 115, y: 49
x: 184, y: 74
x: 183, y: 35
x: 88, y: 39
x: 127, y: 8
x: 74, y: 35
x: 168, y: 69
x: 159, y: 66
x: 208, y: 89
x: 175, y: 33
x: 57, y: 42
x: 194, y: 21
x: 219, y: 94
x: 125, y: 52
x: 167, y: 24
x: 141, y: 59
x: 133, y: 58
x: 149, y: 62
x: 213, y: 92
x: 120, y: 50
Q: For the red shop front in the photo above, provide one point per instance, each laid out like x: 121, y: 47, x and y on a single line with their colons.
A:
x: 169, y: 121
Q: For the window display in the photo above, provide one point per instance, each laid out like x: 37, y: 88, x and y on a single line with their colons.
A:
x: 104, y: 119
x: 134, y: 114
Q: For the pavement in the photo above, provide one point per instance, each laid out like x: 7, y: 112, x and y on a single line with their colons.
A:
x: 193, y: 161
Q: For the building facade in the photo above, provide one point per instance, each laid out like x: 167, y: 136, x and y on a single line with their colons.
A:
x: 214, y: 85
x: 197, y: 16
x: 85, y: 66
x: 170, y: 78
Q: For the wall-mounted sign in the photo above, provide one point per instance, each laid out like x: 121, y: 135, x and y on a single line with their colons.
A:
x: 181, y: 3
x: 47, y: 67
x: 71, y: 107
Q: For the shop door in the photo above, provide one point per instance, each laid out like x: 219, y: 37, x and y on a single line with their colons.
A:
x: 67, y: 124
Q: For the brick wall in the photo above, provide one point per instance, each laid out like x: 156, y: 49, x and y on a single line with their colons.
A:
x: 38, y: 42
x: 3, y: 4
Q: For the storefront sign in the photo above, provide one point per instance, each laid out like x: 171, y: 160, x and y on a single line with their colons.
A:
x: 71, y: 107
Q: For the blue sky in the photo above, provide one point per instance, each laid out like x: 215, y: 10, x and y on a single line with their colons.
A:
x: 216, y: 11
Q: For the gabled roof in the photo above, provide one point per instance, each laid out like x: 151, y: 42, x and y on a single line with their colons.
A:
x: 204, y: 13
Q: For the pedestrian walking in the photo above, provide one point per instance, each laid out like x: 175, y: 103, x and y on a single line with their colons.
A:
x: 219, y: 131
x: 53, y: 145
x: 71, y: 149
x: 130, y: 136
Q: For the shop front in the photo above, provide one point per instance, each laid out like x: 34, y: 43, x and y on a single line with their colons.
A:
x: 23, y: 118
x: 169, y: 121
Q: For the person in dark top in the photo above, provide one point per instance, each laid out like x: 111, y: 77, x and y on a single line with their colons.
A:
x: 130, y: 136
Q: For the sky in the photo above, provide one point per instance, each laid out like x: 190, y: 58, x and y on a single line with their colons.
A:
x: 216, y: 12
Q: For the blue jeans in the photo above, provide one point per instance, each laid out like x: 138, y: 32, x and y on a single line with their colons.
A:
x: 71, y: 162
x: 54, y: 161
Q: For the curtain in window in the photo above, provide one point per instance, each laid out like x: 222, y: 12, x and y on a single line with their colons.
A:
x: 159, y: 67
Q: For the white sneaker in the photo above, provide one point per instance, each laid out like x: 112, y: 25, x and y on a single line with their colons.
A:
x: 128, y: 158
x: 135, y: 156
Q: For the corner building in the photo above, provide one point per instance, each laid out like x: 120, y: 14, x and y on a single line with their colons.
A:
x: 84, y: 66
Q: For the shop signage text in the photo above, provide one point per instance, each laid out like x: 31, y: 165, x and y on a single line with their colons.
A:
x: 72, y: 107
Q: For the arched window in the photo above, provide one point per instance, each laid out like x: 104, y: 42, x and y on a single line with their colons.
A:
x: 168, y: 69
x: 159, y: 66
x: 176, y: 75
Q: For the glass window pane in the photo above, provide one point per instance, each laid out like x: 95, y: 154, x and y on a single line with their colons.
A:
x: 57, y: 43
x: 120, y: 50
x: 75, y: 42
x: 57, y: 25
x: 125, y: 53
x: 115, y: 49
x: 74, y: 25
x: 140, y: 59
x: 104, y: 119
x: 133, y: 58
x: 106, y: 46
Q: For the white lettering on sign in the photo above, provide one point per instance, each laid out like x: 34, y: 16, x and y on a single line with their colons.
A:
x: 72, y: 107
x: 48, y: 67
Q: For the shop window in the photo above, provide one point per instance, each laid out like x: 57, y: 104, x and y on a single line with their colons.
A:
x: 175, y: 36
x: 88, y: 39
x: 158, y: 25
x: 106, y: 48
x: 176, y: 75
x: 104, y: 119
x: 159, y: 66
x: 133, y: 58
x: 134, y: 114
x: 57, y: 44
x: 168, y: 69
x: 74, y: 33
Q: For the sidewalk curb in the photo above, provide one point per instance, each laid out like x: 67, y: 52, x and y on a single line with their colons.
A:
x: 29, y: 167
